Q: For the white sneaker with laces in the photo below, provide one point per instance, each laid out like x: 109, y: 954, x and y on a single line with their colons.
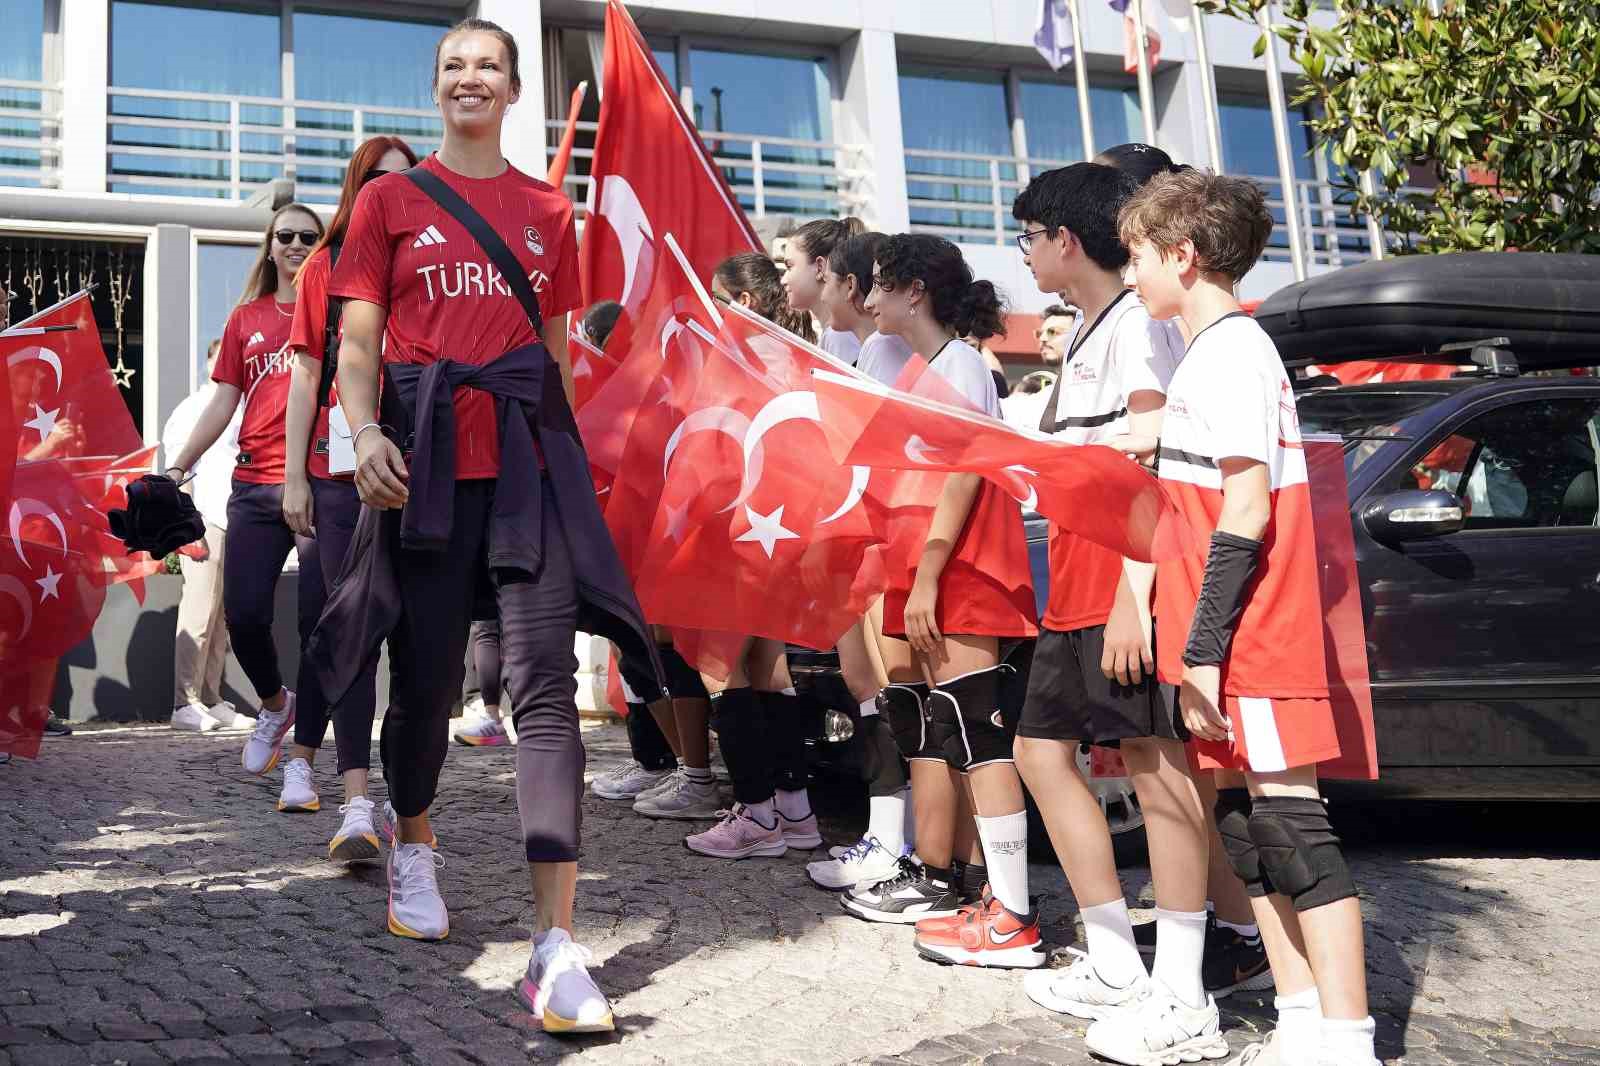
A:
x: 225, y: 712
x: 669, y: 783
x: 689, y: 801
x: 391, y: 827
x: 1161, y: 1030
x: 263, y: 747
x: 357, y: 838
x: 416, y: 910
x: 558, y: 989
x: 193, y: 718
x: 626, y: 781
x: 1079, y: 990
x: 1264, y: 1053
x: 865, y: 863
x: 299, y: 793
x: 484, y: 732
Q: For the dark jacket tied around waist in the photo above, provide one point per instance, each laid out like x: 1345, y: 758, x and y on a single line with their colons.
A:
x: 417, y: 407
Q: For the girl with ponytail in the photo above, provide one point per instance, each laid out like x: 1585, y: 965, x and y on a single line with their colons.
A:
x: 805, y: 263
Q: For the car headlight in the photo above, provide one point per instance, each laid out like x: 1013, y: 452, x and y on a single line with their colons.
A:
x: 837, y: 727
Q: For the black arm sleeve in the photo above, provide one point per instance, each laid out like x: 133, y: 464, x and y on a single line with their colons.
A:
x: 1229, y: 568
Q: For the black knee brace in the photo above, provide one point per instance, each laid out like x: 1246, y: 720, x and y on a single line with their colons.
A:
x: 964, y: 716
x: 904, y: 707
x: 1233, y: 824
x: 1300, y: 855
x: 882, y: 766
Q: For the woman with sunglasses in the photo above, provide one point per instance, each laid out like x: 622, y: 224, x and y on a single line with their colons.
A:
x: 320, y: 501
x: 254, y: 365
x: 478, y: 496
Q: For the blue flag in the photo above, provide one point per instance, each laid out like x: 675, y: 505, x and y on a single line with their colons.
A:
x: 1053, y: 36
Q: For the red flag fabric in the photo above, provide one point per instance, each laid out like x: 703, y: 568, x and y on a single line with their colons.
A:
x: 1092, y: 491
x: 1343, y: 627
x: 1373, y: 371
x: 104, y: 484
x: 557, y: 173
x: 8, y: 425
x: 64, y: 401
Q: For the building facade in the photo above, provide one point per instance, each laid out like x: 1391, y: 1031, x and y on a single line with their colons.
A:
x: 138, y: 138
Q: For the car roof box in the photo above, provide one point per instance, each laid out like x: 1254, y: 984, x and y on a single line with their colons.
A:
x: 1408, y: 308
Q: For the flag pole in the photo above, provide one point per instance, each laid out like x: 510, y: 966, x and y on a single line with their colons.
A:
x: 1208, y: 89
x: 1080, y: 70
x: 1147, y: 101
x: 1280, y: 135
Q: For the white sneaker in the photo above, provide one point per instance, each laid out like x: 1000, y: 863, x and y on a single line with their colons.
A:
x: 473, y: 708
x: 689, y: 801
x: 391, y: 828
x: 1079, y: 990
x: 558, y: 989
x: 356, y: 839
x: 265, y: 744
x: 225, y: 712
x: 484, y: 732
x: 299, y: 793
x: 1161, y: 1030
x: 416, y: 910
x: 193, y: 718
x: 866, y: 863
x: 626, y: 781
x: 667, y: 784
x: 1264, y: 1053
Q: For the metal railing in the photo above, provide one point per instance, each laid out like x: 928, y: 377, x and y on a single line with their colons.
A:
x: 30, y: 133
x: 211, y: 144
x: 769, y: 175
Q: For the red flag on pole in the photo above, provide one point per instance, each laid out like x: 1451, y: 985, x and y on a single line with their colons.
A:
x: 558, y: 166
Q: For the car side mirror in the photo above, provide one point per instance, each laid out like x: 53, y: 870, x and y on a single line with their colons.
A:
x: 1413, y: 514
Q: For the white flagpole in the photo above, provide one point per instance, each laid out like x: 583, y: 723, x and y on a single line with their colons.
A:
x: 1147, y: 102
x: 1280, y: 134
x: 1208, y: 89
x: 1080, y: 70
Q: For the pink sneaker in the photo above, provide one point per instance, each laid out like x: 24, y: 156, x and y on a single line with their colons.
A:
x: 801, y: 834
x: 738, y: 836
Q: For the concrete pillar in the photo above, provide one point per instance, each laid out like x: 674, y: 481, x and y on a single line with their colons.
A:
x: 524, y: 138
x: 85, y: 68
x: 168, y: 325
x: 871, y: 117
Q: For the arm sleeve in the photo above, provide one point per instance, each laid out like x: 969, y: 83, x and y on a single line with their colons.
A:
x: 230, y: 358
x: 365, y: 261
x: 1229, y: 568
x: 310, y: 308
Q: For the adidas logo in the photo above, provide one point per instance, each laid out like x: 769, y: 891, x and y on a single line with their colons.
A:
x: 428, y: 238
x: 256, y: 338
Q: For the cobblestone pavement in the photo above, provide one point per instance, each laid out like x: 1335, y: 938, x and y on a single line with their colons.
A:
x: 154, y: 908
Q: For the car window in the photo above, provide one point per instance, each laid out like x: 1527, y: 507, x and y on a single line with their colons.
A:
x: 1527, y: 465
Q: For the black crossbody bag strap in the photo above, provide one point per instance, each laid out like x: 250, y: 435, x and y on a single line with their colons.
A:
x: 330, y: 336
x: 463, y: 212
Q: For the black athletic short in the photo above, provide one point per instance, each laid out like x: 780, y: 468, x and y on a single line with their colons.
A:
x: 1069, y: 698
x: 683, y: 680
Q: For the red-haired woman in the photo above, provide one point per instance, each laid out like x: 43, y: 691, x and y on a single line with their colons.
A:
x: 320, y: 501
x: 457, y: 278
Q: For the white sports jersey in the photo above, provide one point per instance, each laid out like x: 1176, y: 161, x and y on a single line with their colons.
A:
x: 964, y: 367
x: 1122, y: 352
x: 841, y: 344
x: 883, y: 357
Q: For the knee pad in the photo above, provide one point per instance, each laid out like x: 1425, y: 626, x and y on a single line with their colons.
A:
x: 1233, y: 825
x: 882, y: 766
x: 904, y: 707
x: 683, y: 681
x: 972, y: 728
x: 1300, y: 855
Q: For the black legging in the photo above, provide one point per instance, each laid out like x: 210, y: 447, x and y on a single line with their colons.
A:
x: 486, y: 660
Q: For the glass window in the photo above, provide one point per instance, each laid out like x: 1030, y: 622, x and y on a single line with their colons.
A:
x: 667, y: 59
x: 1528, y: 465
x: 949, y: 113
x: 228, y: 51
x: 1050, y: 112
x: 786, y: 96
x: 1248, y: 149
x: 21, y: 59
x: 220, y: 272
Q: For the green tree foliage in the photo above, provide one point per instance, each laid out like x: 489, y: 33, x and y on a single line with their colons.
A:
x: 1497, y: 100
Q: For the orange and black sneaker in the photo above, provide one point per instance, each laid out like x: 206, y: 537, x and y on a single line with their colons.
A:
x: 990, y: 935
x: 949, y: 923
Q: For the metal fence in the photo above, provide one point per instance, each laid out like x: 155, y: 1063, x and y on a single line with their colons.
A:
x: 30, y: 137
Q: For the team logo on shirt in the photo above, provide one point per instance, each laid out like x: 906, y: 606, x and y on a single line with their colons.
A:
x: 1084, y: 373
x: 534, y: 241
x: 256, y: 338
x: 429, y: 237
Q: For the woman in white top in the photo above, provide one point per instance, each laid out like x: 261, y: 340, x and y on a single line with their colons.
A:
x: 805, y: 265
x: 845, y: 285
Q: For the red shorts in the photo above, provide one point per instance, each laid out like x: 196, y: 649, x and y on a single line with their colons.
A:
x: 970, y: 603
x: 1270, y: 735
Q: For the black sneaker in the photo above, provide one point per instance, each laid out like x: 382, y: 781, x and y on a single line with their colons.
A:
x: 904, y: 899
x: 57, y: 727
x: 1234, y: 963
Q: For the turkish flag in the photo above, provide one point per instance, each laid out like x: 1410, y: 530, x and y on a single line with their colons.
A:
x: 64, y: 401
x: 1090, y: 490
x: 8, y: 426
x: 1372, y: 371
x: 104, y: 484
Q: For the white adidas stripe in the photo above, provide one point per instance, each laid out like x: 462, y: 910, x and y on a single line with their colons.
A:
x: 428, y: 238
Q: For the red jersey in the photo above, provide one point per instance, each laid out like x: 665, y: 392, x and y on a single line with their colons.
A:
x: 1121, y: 352
x: 445, y: 299
x: 1231, y: 398
x: 306, y: 335
x: 254, y: 359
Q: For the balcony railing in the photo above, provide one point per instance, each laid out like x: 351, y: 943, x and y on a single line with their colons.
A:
x: 30, y: 140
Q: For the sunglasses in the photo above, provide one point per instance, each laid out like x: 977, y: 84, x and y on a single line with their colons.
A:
x: 308, y: 237
x: 374, y: 174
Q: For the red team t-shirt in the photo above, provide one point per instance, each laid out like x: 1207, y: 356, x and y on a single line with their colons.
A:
x: 445, y: 299
x: 254, y: 359
x: 306, y: 335
x: 1122, y: 352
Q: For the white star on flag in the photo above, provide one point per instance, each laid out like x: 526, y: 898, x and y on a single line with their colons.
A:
x: 677, y: 522
x: 47, y: 584
x: 43, y: 421
x: 766, y: 529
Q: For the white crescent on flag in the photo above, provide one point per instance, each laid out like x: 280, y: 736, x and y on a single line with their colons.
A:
x: 14, y: 588
x: 43, y: 355
x: 27, y: 508
x: 789, y: 407
x: 620, y: 207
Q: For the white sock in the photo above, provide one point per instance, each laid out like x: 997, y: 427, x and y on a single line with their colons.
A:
x: 763, y: 813
x: 788, y: 691
x: 1299, y: 1027
x: 1249, y: 932
x: 910, y: 834
x: 1005, y: 852
x: 794, y: 806
x: 869, y: 707
x: 698, y: 774
x: 1108, y: 931
x: 1349, y: 1040
x: 1180, y: 947
x: 886, y: 820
